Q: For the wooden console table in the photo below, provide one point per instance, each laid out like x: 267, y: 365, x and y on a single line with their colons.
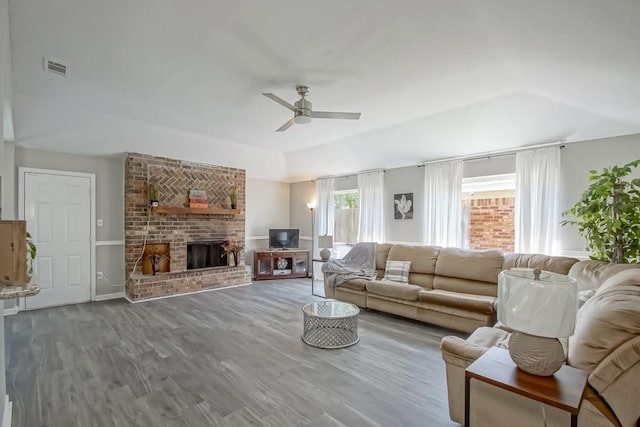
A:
x: 281, y: 264
x: 563, y: 390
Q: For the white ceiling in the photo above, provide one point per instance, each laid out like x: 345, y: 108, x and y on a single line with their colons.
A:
x: 432, y: 79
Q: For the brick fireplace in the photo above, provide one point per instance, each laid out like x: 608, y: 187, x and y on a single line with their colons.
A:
x: 178, y: 229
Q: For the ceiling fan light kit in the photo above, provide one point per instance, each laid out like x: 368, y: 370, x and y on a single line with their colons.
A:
x: 303, y: 111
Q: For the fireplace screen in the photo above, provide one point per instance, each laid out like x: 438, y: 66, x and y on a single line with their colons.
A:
x: 205, y: 255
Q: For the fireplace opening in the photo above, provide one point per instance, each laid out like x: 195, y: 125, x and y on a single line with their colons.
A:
x: 205, y: 255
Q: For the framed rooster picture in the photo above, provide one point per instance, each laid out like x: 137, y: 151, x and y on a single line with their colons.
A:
x: 403, y: 206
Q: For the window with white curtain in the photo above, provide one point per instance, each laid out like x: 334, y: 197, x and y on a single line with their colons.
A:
x: 537, y: 189
x: 347, y: 205
x: 488, y: 204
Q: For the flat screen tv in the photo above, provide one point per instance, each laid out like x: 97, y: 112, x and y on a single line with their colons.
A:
x: 284, y: 238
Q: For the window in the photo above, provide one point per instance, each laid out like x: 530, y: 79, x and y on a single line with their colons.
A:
x: 488, y: 206
x: 345, y: 231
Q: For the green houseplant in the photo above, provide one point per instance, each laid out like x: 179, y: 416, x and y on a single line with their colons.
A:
x: 31, y: 255
x: 608, y: 215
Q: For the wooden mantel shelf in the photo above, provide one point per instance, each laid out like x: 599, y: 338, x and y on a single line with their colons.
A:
x: 195, y: 211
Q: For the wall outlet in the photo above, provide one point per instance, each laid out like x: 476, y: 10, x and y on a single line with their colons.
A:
x: 100, y: 222
x: 100, y: 275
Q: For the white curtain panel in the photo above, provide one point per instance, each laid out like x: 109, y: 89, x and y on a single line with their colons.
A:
x: 536, y: 216
x: 371, y: 211
x: 443, y: 204
x: 324, y: 217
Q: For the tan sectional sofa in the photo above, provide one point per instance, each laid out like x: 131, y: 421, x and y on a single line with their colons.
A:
x: 450, y: 287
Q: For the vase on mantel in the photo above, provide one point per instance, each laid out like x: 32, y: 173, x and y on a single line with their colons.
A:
x: 231, y: 257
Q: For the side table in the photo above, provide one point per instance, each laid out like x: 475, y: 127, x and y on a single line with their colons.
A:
x: 313, y: 262
x: 563, y: 390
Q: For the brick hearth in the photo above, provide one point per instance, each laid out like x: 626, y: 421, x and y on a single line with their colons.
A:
x: 174, y: 179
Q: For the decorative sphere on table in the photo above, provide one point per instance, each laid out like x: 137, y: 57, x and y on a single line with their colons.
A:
x: 281, y: 263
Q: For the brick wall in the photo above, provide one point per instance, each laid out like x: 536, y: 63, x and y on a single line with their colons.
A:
x: 491, y: 223
x: 174, y: 179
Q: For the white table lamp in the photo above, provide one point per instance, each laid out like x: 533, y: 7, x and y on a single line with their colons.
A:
x: 540, y: 307
x: 325, y: 242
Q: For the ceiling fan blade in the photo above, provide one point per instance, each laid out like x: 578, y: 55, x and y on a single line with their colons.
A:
x: 285, y: 126
x: 334, y: 115
x: 280, y: 101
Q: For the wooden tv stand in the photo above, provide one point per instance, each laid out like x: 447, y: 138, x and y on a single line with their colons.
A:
x: 265, y: 263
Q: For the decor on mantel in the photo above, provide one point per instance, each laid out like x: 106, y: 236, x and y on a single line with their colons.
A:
x: 607, y: 215
x: 198, y: 199
x: 154, y: 194
x: 233, y: 197
x: 232, y: 250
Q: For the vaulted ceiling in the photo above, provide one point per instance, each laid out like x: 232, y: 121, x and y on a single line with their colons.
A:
x: 432, y: 79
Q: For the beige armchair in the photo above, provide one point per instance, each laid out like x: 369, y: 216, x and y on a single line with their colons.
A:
x: 606, y: 344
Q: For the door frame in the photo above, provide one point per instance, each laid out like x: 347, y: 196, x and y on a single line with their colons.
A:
x: 22, y: 172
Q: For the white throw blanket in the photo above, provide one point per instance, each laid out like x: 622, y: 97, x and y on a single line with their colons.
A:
x: 360, y: 261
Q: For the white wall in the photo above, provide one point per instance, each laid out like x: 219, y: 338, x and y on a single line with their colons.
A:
x: 267, y: 207
x: 577, y: 159
x: 299, y: 214
x: 404, y: 180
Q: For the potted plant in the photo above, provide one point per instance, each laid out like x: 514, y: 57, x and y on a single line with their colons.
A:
x: 233, y: 197
x: 154, y: 194
x: 31, y: 255
x: 232, y: 251
x: 608, y: 215
x: 156, y: 259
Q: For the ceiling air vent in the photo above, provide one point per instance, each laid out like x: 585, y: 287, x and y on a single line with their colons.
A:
x: 55, y: 67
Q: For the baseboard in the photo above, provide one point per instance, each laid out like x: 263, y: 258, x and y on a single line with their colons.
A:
x: 8, y: 409
x: 186, y: 293
x: 114, y: 295
x: 11, y: 311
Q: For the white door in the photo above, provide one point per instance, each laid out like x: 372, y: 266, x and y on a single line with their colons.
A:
x: 57, y: 209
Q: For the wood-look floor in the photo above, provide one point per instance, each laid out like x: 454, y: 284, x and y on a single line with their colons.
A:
x: 231, y: 357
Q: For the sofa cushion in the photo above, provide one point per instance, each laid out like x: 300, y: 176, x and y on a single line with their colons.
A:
x: 554, y: 264
x: 397, y: 271
x: 382, y: 253
x: 591, y: 274
x: 482, y: 266
x: 471, y: 302
x: 610, y: 318
x: 357, y: 284
x: 394, y: 290
x: 423, y: 258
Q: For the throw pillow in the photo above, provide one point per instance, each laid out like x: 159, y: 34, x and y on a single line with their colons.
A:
x: 397, y: 271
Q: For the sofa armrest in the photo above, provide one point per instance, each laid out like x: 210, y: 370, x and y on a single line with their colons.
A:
x: 615, y: 380
x: 460, y: 352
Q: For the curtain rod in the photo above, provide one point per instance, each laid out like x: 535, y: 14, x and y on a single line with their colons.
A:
x: 497, y: 153
x: 351, y: 174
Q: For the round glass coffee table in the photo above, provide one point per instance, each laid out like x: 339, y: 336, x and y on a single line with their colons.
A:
x: 330, y: 324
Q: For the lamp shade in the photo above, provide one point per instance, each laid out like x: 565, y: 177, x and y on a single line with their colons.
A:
x: 325, y: 241
x: 311, y: 205
x: 544, y: 306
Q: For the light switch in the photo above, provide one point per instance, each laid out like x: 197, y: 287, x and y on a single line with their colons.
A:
x: 100, y: 223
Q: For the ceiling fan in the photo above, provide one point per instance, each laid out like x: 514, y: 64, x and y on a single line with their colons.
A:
x: 302, y: 112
